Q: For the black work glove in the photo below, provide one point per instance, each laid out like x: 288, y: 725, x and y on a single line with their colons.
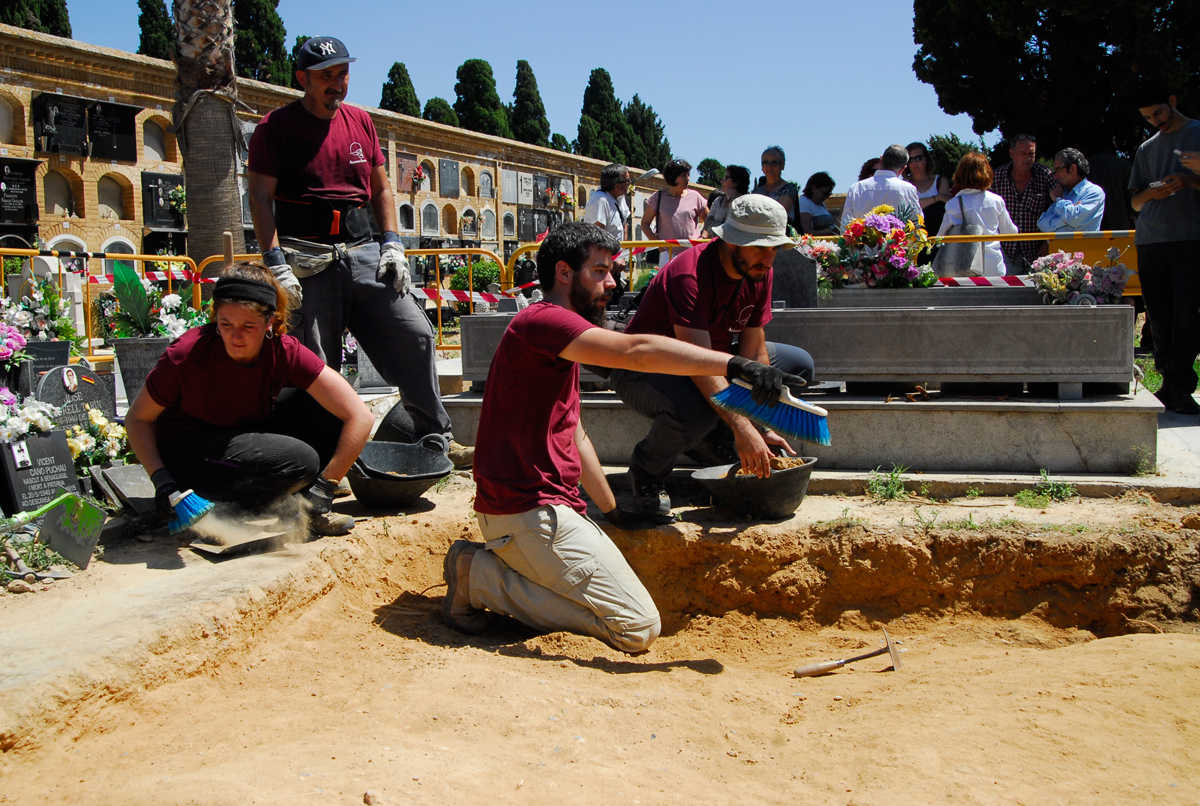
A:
x: 164, y: 488
x: 625, y: 519
x: 766, y: 382
x: 320, y: 495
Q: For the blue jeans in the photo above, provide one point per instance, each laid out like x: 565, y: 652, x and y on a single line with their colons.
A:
x: 393, y: 330
x: 682, y: 417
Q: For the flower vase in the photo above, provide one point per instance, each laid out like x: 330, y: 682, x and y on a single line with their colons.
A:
x: 135, y: 358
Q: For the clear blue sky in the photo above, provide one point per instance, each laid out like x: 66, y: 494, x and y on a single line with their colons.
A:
x: 832, y: 83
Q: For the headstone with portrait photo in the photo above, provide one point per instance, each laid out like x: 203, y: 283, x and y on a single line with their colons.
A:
x: 34, y: 470
x: 73, y: 389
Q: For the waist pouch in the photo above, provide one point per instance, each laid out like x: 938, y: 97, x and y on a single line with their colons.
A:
x: 309, y: 257
x: 320, y: 221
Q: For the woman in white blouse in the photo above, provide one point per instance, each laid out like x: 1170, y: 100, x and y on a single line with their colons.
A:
x: 975, y: 204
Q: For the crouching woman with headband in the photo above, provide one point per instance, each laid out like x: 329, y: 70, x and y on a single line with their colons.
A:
x: 238, y: 411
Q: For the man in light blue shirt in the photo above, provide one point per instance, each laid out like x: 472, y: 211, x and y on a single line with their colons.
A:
x: 1078, y: 205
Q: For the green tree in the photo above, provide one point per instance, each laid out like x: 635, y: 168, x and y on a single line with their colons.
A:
x: 45, y: 16
x: 560, y: 142
x: 157, y: 31
x: 947, y: 149
x: 710, y: 172
x: 528, y: 118
x: 259, y: 48
x: 1067, y: 72
x: 398, y: 93
x: 477, y: 103
x: 292, y: 82
x: 439, y: 111
x: 603, y: 131
x: 649, y: 147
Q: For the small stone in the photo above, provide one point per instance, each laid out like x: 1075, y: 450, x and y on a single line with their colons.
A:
x: 48, y: 580
x: 837, y: 698
x: 30, y: 578
x: 371, y: 799
x: 19, y: 586
x: 1191, y: 521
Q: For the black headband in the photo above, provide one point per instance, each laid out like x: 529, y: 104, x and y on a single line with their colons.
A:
x: 235, y: 289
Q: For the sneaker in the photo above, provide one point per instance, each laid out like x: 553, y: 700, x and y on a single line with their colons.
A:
x: 456, y: 606
x: 343, y: 488
x: 461, y: 456
x: 649, y: 493
x: 330, y: 524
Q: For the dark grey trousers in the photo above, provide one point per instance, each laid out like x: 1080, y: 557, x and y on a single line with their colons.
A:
x: 393, y: 330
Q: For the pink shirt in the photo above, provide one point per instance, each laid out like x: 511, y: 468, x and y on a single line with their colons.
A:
x: 677, y: 218
x: 525, y: 452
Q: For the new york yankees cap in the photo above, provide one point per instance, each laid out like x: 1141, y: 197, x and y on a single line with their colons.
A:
x: 321, y: 52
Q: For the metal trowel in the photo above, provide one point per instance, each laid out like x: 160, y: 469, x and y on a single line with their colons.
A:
x: 259, y: 533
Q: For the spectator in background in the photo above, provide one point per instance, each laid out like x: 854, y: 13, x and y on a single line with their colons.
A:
x: 1025, y: 187
x: 772, y: 183
x: 869, y: 168
x: 884, y: 187
x: 608, y: 210
x: 933, y: 191
x: 1111, y: 173
x: 677, y: 213
x: 812, y: 218
x: 975, y: 204
x: 736, y: 183
x: 1078, y: 205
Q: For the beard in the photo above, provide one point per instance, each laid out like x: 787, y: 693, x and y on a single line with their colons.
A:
x: 744, y: 267
x: 589, y: 306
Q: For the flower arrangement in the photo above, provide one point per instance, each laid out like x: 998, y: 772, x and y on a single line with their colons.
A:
x: 177, y: 200
x: 879, y: 250
x: 565, y: 201
x: 41, y: 315
x: 12, y: 346
x: 1064, y: 277
x: 19, y: 419
x: 99, y: 442
x: 418, y: 176
x: 138, y: 307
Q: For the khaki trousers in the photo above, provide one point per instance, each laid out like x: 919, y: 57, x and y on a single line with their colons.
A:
x: 554, y: 569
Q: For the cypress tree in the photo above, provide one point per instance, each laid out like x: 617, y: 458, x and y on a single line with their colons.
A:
x: 560, y: 142
x: 157, y: 31
x: 292, y: 82
x: 648, y: 140
x: 439, y: 111
x: 44, y: 16
x: 710, y: 172
x: 259, y: 51
x: 477, y: 103
x: 528, y: 116
x: 603, y: 130
x: 398, y: 93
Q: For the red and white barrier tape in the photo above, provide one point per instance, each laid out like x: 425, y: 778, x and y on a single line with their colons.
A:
x: 1019, y: 280
x: 159, y: 276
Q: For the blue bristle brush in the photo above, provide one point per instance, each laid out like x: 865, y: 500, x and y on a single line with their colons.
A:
x: 791, y: 415
x: 188, y: 508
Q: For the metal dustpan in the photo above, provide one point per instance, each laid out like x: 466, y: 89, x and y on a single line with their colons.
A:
x: 71, y: 526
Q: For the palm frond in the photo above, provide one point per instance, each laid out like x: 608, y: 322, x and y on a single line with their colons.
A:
x: 132, y: 299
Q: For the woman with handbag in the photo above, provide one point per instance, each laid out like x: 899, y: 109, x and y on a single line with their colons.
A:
x: 974, y: 210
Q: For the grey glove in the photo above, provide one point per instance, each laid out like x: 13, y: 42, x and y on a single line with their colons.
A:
x: 276, y: 261
x: 320, y: 495
x: 393, y: 265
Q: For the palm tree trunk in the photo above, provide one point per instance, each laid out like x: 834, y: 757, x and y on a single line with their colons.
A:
x: 206, y: 124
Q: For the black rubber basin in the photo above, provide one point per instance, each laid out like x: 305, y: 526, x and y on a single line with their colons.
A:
x: 393, y: 475
x: 776, y: 496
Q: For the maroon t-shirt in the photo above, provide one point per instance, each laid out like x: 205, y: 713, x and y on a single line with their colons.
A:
x: 694, y: 291
x: 525, y: 452
x: 196, y: 378
x: 317, y: 159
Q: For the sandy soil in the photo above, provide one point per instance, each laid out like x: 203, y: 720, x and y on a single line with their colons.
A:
x: 1003, y: 696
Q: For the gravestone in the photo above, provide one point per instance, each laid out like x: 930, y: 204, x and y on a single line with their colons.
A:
x: 18, y: 191
x: 508, y: 186
x: 524, y: 188
x: 43, y: 357
x: 73, y: 389
x: 132, y: 486
x: 448, y: 179
x: 794, y: 279
x: 369, y: 379
x: 34, y: 470
x: 541, y: 186
x: 525, y: 224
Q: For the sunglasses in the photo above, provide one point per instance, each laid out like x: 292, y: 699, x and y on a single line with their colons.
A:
x: 772, y: 162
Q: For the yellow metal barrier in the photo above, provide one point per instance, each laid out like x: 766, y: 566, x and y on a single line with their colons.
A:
x: 437, y: 279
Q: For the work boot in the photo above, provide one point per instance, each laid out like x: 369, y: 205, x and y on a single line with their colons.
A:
x: 456, y: 606
x: 461, y: 456
x: 343, y: 488
x: 649, y: 493
x: 330, y: 524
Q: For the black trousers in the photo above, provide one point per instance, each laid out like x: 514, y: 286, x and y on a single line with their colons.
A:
x: 1170, y: 275
x: 252, y: 466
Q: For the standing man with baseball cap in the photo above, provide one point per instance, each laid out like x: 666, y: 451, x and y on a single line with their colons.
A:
x: 715, y: 295
x: 316, y: 176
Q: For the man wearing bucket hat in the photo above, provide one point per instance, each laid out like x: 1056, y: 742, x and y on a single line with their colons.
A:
x: 316, y: 176
x: 715, y: 295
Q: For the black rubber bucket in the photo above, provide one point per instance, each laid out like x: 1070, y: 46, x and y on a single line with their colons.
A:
x: 777, y: 496
x: 394, y: 475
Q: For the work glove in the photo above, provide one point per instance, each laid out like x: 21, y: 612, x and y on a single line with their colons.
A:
x: 276, y: 261
x: 625, y: 519
x: 766, y: 382
x: 320, y: 495
x: 393, y: 265
x: 164, y: 488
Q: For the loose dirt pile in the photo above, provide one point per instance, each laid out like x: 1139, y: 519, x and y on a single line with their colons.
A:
x: 1007, y: 694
